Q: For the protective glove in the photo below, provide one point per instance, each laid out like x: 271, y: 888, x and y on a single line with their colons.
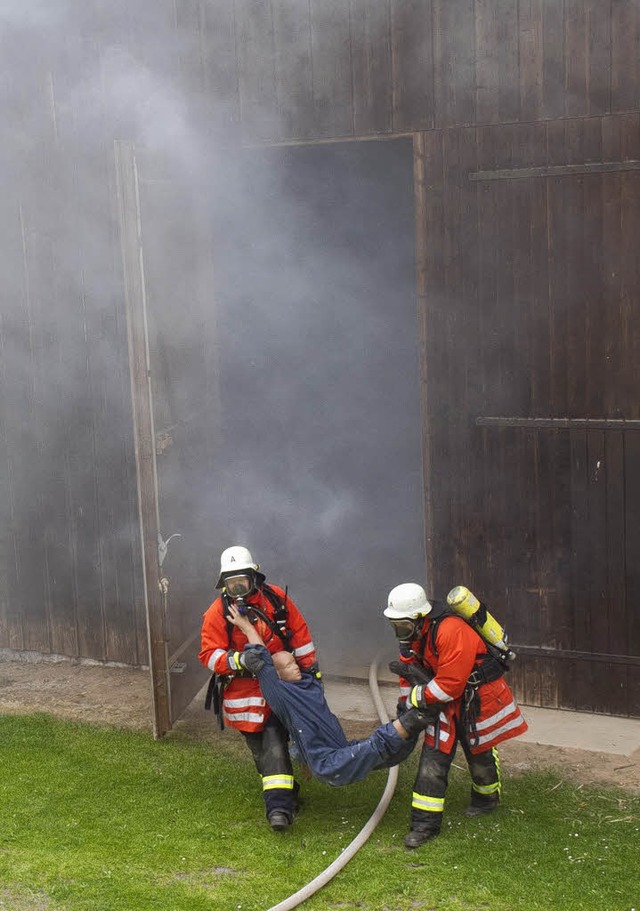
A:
x: 416, y: 720
x: 417, y: 700
x: 411, y: 672
x: 249, y: 661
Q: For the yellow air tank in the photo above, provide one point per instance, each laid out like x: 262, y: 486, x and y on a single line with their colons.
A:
x: 465, y: 603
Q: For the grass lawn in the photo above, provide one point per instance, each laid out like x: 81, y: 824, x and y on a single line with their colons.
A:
x: 96, y: 819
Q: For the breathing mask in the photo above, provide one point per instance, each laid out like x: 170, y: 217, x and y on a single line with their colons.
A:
x: 406, y: 629
x: 239, y: 586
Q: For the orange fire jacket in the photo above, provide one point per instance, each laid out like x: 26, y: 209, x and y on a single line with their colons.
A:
x: 244, y: 706
x: 458, y: 649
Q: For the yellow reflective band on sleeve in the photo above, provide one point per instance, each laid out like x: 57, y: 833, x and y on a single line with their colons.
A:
x: 430, y: 804
x: 283, y: 782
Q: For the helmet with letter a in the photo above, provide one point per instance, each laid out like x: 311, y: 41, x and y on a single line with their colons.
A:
x: 238, y: 572
x: 407, y: 606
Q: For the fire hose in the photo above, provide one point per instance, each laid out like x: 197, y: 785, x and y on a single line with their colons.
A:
x: 369, y: 827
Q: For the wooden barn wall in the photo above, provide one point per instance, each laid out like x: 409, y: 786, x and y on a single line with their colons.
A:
x: 565, y: 73
x: 70, y: 582
x: 533, y: 430
x: 277, y: 70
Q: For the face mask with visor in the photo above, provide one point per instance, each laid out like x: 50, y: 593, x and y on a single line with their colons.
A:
x: 407, y: 629
x: 239, y: 586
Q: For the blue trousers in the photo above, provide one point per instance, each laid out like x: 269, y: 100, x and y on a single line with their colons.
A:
x: 317, y: 734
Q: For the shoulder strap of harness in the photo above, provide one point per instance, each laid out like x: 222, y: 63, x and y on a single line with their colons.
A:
x: 280, y: 614
x: 278, y: 625
x: 489, y: 666
x: 439, y: 610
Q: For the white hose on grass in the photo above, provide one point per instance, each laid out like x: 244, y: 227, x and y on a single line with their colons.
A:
x: 354, y: 846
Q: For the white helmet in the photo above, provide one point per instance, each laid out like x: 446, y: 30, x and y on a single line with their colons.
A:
x: 407, y: 601
x: 235, y: 560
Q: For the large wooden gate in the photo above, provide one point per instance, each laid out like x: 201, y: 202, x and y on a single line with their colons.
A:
x: 532, y: 339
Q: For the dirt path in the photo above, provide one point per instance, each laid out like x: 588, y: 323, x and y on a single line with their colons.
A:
x: 121, y: 696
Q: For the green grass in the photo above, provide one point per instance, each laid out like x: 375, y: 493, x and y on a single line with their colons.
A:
x: 95, y: 819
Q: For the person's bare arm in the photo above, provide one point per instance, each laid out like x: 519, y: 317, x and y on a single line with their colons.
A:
x: 245, y: 626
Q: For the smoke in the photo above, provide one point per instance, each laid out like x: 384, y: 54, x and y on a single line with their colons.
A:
x: 280, y: 288
x: 321, y: 413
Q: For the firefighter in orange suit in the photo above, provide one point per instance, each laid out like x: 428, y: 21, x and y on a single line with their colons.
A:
x: 444, y: 661
x: 241, y: 703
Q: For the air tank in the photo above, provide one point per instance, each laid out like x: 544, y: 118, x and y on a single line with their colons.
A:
x: 465, y: 603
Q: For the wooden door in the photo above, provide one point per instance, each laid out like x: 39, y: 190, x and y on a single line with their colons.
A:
x: 171, y: 317
x: 532, y: 340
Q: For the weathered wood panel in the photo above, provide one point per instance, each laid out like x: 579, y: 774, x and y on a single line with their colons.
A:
x: 412, y: 78
x: 546, y: 538
x: 370, y: 28
x: 290, y: 69
x: 293, y: 68
x: 625, y: 59
x: 454, y: 62
x: 256, y: 74
x: 332, y: 68
x: 221, y: 105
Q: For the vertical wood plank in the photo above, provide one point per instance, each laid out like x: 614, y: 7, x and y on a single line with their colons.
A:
x: 632, y: 560
x: 256, y: 73
x: 618, y: 604
x: 596, y: 565
x: 563, y: 222
x: 497, y: 65
x: 456, y: 375
x: 412, y: 65
x: 143, y: 430
x: 29, y: 466
x: 14, y: 388
x: 613, y: 275
x: 587, y: 53
x: 554, y: 60
x: 625, y: 59
x: 429, y: 214
x: 424, y: 221
x: 332, y: 68
x: 630, y: 267
x: 590, y: 279
x: 371, y: 64
x: 293, y: 69
x: 580, y: 591
x: 531, y: 57
x: 220, y: 67
x: 454, y: 62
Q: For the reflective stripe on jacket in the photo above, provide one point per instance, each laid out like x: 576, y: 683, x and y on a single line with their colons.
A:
x: 243, y: 704
x: 458, y: 648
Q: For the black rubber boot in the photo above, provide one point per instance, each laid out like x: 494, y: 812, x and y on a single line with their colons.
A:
x: 417, y: 837
x: 279, y: 821
x: 482, y: 810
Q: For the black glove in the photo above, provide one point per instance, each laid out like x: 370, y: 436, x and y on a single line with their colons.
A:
x: 416, y: 720
x: 249, y: 661
x: 411, y: 672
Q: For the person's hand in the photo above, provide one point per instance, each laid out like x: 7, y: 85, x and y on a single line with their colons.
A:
x: 242, y: 622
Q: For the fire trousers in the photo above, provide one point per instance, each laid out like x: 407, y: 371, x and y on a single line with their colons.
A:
x: 270, y: 750
x: 430, y: 786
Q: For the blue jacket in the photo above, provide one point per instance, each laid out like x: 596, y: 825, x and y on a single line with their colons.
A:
x: 317, y: 734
